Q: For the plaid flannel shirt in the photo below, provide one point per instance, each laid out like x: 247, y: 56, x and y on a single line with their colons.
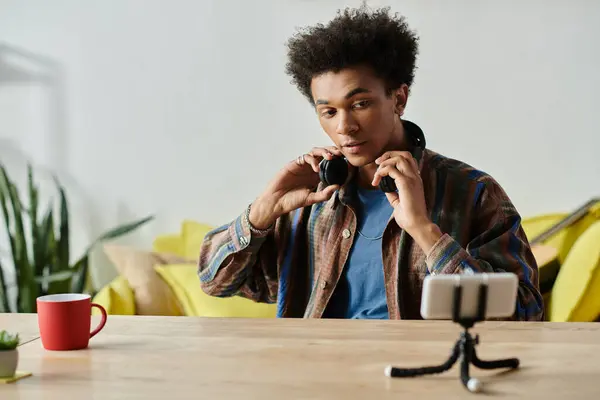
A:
x: 298, y: 262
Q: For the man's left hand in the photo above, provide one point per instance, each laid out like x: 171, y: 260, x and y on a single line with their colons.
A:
x: 410, y: 210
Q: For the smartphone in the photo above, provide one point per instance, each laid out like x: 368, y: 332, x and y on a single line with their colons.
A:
x: 437, y: 300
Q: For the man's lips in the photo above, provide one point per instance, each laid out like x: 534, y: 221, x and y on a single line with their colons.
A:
x: 353, y: 144
x: 354, y: 147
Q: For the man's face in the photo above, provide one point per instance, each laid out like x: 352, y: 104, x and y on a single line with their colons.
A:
x: 358, y: 116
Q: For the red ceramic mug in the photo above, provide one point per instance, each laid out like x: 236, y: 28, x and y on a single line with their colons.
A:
x: 65, y: 319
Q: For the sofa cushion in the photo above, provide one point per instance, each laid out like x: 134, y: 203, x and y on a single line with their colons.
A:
x: 575, y: 296
x: 184, y: 281
x: 152, y: 295
x: 564, y: 239
x: 117, y: 298
x: 193, y: 234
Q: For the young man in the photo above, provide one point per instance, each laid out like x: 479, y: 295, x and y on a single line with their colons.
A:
x: 355, y: 251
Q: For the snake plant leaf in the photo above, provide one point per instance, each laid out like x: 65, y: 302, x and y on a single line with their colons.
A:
x: 81, y: 266
x: 33, y: 222
x: 16, y: 238
x: 56, y: 277
x: 4, y: 307
x: 4, y: 202
x: 6, y: 216
x: 42, y: 265
x: 115, y: 233
x: 80, y: 270
x: 57, y: 286
x: 122, y: 230
x: 27, y: 287
x: 61, y: 260
x: 42, y: 248
x: 4, y: 194
x: 48, y: 241
x: 47, y: 254
x: 52, y: 260
x: 62, y: 251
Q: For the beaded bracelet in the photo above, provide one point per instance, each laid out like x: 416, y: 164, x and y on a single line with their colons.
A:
x: 252, y: 228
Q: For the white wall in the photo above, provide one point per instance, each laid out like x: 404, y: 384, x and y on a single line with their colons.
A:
x: 181, y: 108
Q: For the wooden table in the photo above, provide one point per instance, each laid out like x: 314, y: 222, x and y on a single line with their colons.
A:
x: 24, y: 324
x: 196, y: 358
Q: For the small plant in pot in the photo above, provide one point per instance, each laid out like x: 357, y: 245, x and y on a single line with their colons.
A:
x: 9, y: 355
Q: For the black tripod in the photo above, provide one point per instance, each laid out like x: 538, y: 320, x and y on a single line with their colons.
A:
x: 464, y: 347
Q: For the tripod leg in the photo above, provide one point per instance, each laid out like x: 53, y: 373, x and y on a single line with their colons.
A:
x: 468, y: 351
x: 494, y: 364
x: 412, y: 372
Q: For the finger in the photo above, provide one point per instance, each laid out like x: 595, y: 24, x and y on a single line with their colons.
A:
x: 323, y: 195
x: 393, y: 198
x: 325, y: 152
x: 298, y: 161
x: 321, y: 153
x: 411, y: 160
x: 403, y: 165
x: 385, y: 156
x: 391, y: 171
x: 329, y: 149
x: 312, y: 161
x: 391, y: 154
x: 395, y: 171
x: 414, y: 163
x: 334, y: 150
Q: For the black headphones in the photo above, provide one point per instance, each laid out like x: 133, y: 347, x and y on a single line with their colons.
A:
x: 335, y: 171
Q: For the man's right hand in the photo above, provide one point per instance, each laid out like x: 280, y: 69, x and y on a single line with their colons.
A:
x: 293, y: 188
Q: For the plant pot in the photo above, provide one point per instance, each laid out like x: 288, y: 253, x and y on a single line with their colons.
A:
x: 8, y: 362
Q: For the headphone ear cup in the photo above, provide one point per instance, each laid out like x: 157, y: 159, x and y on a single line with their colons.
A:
x: 418, y: 153
x: 322, y: 171
x: 387, y: 184
x: 334, y: 171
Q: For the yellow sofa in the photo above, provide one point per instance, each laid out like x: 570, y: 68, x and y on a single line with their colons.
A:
x: 574, y: 296
x: 171, y: 264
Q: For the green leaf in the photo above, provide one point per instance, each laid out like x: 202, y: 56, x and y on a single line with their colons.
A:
x: 81, y: 265
x: 56, y: 277
x: 80, y: 270
x: 48, y: 236
x: 58, y: 258
x: 115, y: 233
x: 8, y: 341
x: 4, y: 307
x: 40, y: 233
x: 37, y: 245
x: 53, y: 261
x: 4, y: 194
x: 62, y: 250
x: 43, y: 247
x: 6, y: 200
x: 27, y: 286
x: 60, y: 286
x: 33, y: 208
x: 123, y: 229
x: 44, y: 267
x: 4, y: 203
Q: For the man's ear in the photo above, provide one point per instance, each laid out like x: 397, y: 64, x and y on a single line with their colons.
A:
x: 400, y: 99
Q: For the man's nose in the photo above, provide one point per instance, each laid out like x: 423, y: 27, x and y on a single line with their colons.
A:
x: 346, y: 124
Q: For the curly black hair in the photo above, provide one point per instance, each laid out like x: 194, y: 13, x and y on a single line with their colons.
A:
x: 354, y: 37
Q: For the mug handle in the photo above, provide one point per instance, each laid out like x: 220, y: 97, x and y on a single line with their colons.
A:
x: 102, y: 322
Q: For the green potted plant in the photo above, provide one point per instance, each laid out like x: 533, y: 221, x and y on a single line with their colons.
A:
x: 39, y: 243
x: 9, y: 355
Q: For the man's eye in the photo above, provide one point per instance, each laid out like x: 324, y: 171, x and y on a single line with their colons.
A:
x: 328, y: 113
x: 361, y: 104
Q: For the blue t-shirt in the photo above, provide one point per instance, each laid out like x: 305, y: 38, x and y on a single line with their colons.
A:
x: 360, y: 293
